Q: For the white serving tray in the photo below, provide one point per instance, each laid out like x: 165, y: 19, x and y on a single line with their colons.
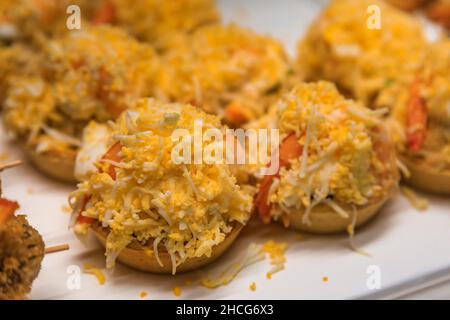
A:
x: 410, y: 248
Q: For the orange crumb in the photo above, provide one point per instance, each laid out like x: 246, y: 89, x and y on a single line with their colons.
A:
x: 66, y: 209
x: 177, y: 291
x: 325, y: 279
x: 95, y: 272
x: 30, y: 190
x: 268, y: 275
x: 143, y: 295
x: 4, y: 156
x: 252, y: 286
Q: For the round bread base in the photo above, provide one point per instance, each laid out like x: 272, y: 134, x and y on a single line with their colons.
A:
x: 325, y: 220
x: 425, y: 177
x: 135, y: 257
x: 59, y: 166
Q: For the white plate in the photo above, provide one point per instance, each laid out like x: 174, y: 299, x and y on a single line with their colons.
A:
x: 409, y: 248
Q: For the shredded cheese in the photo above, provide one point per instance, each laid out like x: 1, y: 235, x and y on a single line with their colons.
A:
x: 351, y: 234
x: 333, y: 205
x: 371, y: 65
x: 170, y: 207
x: 90, y: 74
x: 225, y: 70
x: 90, y: 269
x: 403, y: 169
x: 255, y: 253
x: 276, y: 252
x: 418, y: 202
x: 339, y: 162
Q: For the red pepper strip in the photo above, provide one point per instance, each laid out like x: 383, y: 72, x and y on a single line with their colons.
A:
x: 416, y: 119
x: 289, y: 149
x: 82, y: 219
x: 261, y: 203
x: 105, y: 14
x: 7, y: 209
x: 113, y: 155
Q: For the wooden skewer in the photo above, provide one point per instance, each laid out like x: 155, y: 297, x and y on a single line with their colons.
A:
x: 10, y: 165
x: 58, y: 248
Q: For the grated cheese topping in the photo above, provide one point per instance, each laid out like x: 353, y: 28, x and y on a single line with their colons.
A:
x: 418, y: 202
x: 91, y: 74
x: 183, y: 209
x: 434, y: 91
x: 225, y: 70
x: 165, y: 21
x: 371, y: 63
x: 255, y: 253
x: 340, y: 165
x: 276, y: 252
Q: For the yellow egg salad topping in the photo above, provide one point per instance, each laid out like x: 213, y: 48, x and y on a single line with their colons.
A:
x: 157, y: 22
x: 16, y: 61
x: 162, y: 22
x: 37, y: 19
x: 420, y: 121
x: 436, y: 76
x: 92, y: 75
x: 368, y: 60
x: 225, y: 70
x: 344, y: 155
x: 184, y: 209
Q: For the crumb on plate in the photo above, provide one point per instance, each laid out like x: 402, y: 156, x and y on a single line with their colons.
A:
x: 90, y: 269
x: 177, y: 291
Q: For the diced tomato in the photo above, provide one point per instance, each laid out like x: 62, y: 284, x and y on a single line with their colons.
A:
x: 82, y: 219
x: 85, y: 220
x: 113, y: 155
x: 103, y: 94
x: 416, y: 119
x: 236, y: 114
x: 289, y: 149
x: 105, y: 14
x: 7, y: 209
